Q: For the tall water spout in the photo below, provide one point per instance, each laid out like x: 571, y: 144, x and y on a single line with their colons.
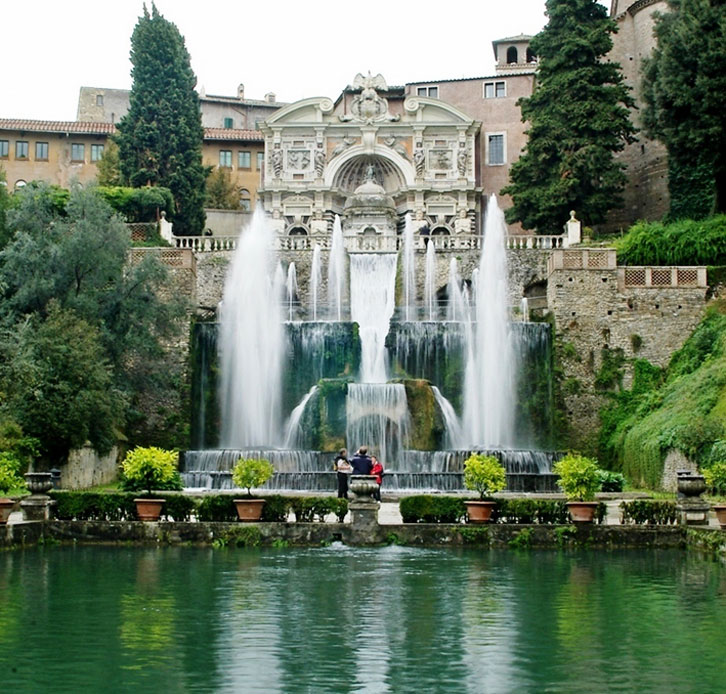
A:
x: 489, y: 395
x: 336, y: 271
x: 291, y: 289
x: 524, y: 309
x: 456, y: 309
x: 372, y: 302
x: 251, y: 342
x: 316, y: 276
x: 409, y: 272
x: 430, y: 282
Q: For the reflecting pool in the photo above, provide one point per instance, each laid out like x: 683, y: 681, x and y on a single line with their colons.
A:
x: 339, y: 619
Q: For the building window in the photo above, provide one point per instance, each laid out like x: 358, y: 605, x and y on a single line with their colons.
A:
x: 512, y: 55
x: 99, y: 99
x: 433, y: 92
x: 4, y: 148
x: 228, y: 123
x: 244, y: 160
x: 96, y: 152
x: 20, y: 184
x: 78, y: 152
x: 41, y: 151
x: 225, y: 158
x: 21, y: 149
x: 495, y: 149
x: 495, y: 90
x: 245, y: 201
x: 260, y: 161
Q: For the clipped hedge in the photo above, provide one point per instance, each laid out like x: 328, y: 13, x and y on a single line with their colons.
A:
x: 310, y: 508
x: 94, y: 506
x: 648, y: 511
x: 426, y: 508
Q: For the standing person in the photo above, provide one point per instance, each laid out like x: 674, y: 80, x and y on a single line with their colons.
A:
x: 377, y: 470
x: 343, y: 468
x: 361, y: 462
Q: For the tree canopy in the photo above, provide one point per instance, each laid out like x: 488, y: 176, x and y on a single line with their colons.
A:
x: 578, y: 119
x: 160, y: 138
x: 684, y: 82
x: 81, y: 325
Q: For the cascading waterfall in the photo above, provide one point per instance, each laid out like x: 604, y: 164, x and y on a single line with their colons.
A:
x: 524, y: 309
x: 489, y: 395
x: 409, y: 272
x: 291, y: 290
x: 430, y: 282
x: 316, y: 278
x: 377, y: 416
x: 372, y: 302
x: 293, y: 429
x: 336, y: 272
x: 251, y: 342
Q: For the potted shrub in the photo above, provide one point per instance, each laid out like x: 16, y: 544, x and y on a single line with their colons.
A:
x: 9, y: 479
x: 579, y: 479
x: 146, y: 469
x: 486, y: 475
x: 715, y: 477
x: 248, y: 473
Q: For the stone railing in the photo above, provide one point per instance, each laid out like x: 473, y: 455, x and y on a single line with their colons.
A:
x: 583, y: 259
x: 181, y: 258
x: 372, y: 244
x: 665, y: 276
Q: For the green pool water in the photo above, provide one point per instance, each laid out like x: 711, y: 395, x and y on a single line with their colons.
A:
x: 341, y: 619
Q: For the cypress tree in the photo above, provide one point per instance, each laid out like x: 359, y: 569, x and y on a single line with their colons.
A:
x: 684, y: 83
x: 578, y: 119
x: 160, y: 138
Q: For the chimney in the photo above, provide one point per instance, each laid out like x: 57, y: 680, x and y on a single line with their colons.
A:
x: 241, y: 91
x: 270, y: 97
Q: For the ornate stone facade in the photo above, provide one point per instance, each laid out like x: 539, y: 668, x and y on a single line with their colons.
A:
x: 372, y: 156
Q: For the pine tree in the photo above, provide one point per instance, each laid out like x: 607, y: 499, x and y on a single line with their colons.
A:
x: 578, y: 116
x: 160, y: 138
x: 684, y: 85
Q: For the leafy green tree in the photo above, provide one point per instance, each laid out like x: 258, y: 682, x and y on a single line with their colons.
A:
x: 78, y: 266
x: 221, y: 191
x: 684, y: 82
x: 4, y: 204
x: 578, y: 119
x: 59, y: 384
x: 160, y: 138
x: 109, y: 167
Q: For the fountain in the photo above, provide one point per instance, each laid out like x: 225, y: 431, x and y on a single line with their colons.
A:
x: 421, y: 393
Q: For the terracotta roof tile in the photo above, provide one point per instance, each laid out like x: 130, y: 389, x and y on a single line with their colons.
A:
x: 56, y: 126
x: 88, y: 128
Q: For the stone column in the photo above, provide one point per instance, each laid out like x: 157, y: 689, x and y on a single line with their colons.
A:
x: 363, y: 509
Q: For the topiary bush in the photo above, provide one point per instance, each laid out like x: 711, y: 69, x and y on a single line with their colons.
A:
x: 611, y: 481
x: 484, y: 474
x: 251, y: 472
x: 715, y: 477
x: 150, y: 468
x: 579, y: 477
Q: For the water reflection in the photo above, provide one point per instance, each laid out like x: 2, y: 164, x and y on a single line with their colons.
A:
x: 340, y: 619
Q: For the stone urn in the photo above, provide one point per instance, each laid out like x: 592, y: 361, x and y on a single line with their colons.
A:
x: 38, y: 482
x: 147, y: 509
x: 479, y: 511
x: 363, y: 487
x: 690, y: 484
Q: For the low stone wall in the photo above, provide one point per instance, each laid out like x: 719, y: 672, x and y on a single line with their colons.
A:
x: 412, y: 534
x: 86, y: 468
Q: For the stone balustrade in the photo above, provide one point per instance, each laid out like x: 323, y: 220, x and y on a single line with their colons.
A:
x: 372, y: 244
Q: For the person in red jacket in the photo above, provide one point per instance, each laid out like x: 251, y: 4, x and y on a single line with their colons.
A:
x: 377, y: 470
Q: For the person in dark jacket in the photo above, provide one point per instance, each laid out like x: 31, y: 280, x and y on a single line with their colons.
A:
x: 361, y: 462
x: 343, y: 468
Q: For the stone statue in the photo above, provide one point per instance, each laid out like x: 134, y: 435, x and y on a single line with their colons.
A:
x: 462, y: 225
x: 419, y: 161
x: 462, y: 161
x: 367, y: 106
x: 277, y: 162
x: 319, y: 162
x: 318, y: 225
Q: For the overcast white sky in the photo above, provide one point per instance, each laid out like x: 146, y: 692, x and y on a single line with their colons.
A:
x: 49, y: 49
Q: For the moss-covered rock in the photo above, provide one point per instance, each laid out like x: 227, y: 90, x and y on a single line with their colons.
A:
x: 427, y: 426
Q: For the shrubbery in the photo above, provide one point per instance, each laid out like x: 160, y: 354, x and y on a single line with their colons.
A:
x: 146, y: 469
x: 648, y: 511
x: 425, y: 508
x: 684, y: 242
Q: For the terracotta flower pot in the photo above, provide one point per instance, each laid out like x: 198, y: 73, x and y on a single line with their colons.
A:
x: 720, y: 510
x: 479, y: 511
x: 6, y: 508
x: 148, y: 509
x: 582, y: 511
x: 249, y: 510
